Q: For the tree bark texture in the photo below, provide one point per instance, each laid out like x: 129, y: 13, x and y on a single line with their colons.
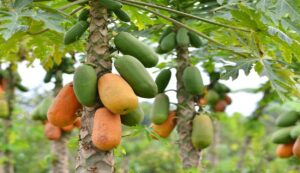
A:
x: 59, y: 149
x: 90, y: 159
x: 185, y: 113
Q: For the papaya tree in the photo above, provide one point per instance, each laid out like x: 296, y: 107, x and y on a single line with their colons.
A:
x: 10, y: 80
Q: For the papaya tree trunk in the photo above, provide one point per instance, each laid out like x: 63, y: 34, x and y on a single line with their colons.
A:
x: 90, y: 159
x: 59, y: 149
x: 10, y: 97
x: 185, y: 113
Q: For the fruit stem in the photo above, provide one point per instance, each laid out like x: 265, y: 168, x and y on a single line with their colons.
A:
x: 72, y: 3
x: 185, y: 14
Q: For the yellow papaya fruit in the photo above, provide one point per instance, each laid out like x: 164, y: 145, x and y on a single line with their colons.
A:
x: 116, y: 94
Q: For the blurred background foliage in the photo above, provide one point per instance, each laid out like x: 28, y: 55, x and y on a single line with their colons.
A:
x: 139, y: 153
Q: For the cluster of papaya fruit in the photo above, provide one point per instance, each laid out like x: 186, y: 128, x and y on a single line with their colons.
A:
x: 82, y: 24
x: 164, y: 121
x: 66, y: 66
x: 216, y: 96
x: 51, y: 131
x: 172, y: 37
x: 288, y: 135
x: 118, y: 94
x: 4, y: 76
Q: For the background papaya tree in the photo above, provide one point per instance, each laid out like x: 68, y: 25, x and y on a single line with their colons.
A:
x: 240, y: 34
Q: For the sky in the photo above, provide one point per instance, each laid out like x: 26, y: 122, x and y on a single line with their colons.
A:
x: 242, y: 102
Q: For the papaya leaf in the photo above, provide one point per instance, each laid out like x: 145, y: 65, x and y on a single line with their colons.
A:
x: 21, y: 3
x: 242, y: 64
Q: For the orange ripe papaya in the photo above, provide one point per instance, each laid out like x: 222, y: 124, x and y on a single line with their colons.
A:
x: 107, y: 130
x: 296, y: 148
x: 77, y: 123
x: 62, y: 112
x: 116, y: 94
x: 164, y: 130
x: 284, y: 150
x: 228, y: 99
x: 52, y: 132
x: 220, y: 106
x: 68, y: 128
x: 202, y: 101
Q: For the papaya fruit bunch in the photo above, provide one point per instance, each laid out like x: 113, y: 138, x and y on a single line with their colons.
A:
x: 82, y: 24
x: 115, y: 95
x: 173, y: 37
x: 66, y: 66
x: 4, y: 76
x: 51, y: 131
x: 164, y: 121
x: 216, y: 97
x: 287, y: 136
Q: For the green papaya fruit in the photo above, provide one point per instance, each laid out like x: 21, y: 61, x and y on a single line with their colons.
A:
x: 129, y: 45
x: 295, y: 132
x: 111, y: 4
x: 22, y: 87
x: 69, y: 70
x: 160, y: 109
x: 4, y: 112
x: 182, y: 38
x: 48, y: 76
x: 137, y: 76
x: 85, y: 85
x: 84, y: 15
x: 122, y: 15
x: 192, y: 81
x: 282, y: 136
x: 74, y: 33
x: 43, y: 107
x: 288, y: 119
x: 202, y: 131
x: 162, y: 80
x: 35, y: 114
x: 159, y: 50
x: 212, y: 97
x: 167, y: 31
x: 168, y: 43
x: 221, y: 88
x: 195, y: 40
x: 133, y: 118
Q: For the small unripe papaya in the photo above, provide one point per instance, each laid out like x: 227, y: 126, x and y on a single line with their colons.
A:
x: 192, y: 81
x: 85, y: 85
x: 160, y: 109
x: 282, y: 136
x: 133, y: 118
x: 284, y: 150
x: 75, y: 32
x: 107, y: 130
x: 122, y: 15
x: 202, y: 131
x: 288, y: 119
x: 182, y: 38
x: 165, y: 129
x: 195, y: 40
x: 52, y: 132
x: 162, y: 80
x: 63, y: 110
x: 168, y: 43
x: 116, y: 94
